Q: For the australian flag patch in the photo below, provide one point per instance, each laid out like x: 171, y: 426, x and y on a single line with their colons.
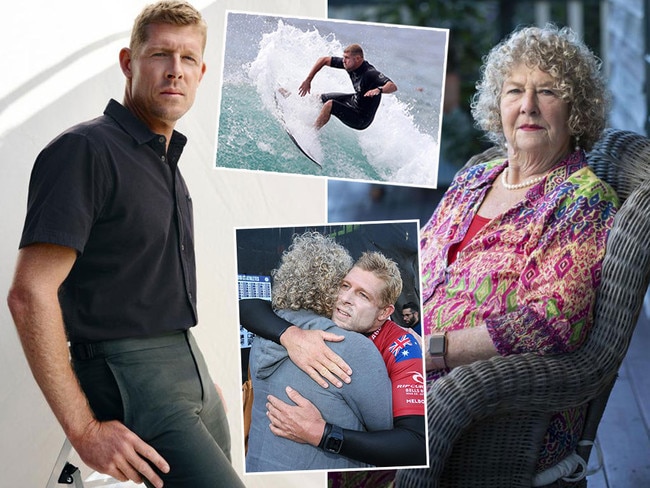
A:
x: 406, y: 347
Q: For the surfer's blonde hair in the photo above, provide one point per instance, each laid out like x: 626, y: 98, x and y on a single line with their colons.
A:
x: 354, y: 50
x: 387, y: 271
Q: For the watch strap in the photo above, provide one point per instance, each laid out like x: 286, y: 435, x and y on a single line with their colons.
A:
x: 332, y: 439
x: 438, y: 362
x: 438, y: 350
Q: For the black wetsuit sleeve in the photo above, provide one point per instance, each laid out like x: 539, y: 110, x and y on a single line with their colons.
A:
x: 404, y: 445
x: 336, y: 62
x: 257, y: 316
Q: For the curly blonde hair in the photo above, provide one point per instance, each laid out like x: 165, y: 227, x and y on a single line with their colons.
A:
x: 310, y: 274
x: 559, y: 53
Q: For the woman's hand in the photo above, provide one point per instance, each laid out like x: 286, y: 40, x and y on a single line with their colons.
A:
x: 308, y: 351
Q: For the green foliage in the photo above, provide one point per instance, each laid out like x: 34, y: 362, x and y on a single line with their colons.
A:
x: 471, y: 25
x: 472, y: 33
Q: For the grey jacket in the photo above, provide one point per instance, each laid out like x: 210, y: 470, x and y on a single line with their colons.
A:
x: 364, y: 404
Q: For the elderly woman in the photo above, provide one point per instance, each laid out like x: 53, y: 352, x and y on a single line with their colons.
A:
x: 512, y: 254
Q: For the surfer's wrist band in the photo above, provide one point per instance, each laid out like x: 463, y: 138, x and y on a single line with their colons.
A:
x: 380, y: 89
x: 277, y: 338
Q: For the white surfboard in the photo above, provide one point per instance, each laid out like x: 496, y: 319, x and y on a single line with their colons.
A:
x: 293, y: 136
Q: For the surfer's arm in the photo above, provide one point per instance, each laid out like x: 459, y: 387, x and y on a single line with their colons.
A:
x: 306, y: 348
x: 389, y: 87
x: 305, y: 86
x: 404, y: 444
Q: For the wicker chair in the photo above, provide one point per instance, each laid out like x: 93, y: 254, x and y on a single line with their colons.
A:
x: 486, y: 420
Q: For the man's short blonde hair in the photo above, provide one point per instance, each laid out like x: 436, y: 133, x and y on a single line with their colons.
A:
x: 386, y: 270
x: 166, y: 12
x: 354, y: 50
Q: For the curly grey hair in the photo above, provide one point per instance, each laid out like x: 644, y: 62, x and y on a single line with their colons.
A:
x: 310, y: 274
x: 560, y: 53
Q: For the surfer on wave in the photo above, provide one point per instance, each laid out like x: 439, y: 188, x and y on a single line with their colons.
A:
x: 356, y: 110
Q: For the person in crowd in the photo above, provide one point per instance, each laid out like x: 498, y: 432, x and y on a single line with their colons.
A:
x: 511, y: 257
x: 364, y: 304
x: 356, y: 110
x: 305, y: 288
x: 107, y: 263
x: 411, y: 317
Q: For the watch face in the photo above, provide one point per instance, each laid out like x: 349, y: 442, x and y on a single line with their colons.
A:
x: 333, y: 444
x: 334, y: 440
x: 437, y: 345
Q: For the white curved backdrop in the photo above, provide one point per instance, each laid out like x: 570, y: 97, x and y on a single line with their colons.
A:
x: 62, y: 68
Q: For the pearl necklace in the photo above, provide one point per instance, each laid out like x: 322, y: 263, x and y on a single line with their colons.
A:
x: 519, y: 186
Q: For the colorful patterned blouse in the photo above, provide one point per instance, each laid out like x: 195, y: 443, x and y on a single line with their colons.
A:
x: 529, y: 274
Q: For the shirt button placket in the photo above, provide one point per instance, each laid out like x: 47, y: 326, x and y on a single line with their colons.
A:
x: 161, y: 140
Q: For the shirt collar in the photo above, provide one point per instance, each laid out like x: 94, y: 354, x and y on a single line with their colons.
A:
x: 559, y: 173
x: 135, y: 127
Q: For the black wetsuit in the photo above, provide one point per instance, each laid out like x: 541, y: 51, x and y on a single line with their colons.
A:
x: 353, y: 109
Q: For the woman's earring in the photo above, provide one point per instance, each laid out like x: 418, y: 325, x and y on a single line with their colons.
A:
x: 577, y: 143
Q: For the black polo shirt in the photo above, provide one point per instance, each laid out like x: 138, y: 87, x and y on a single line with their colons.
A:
x: 110, y: 190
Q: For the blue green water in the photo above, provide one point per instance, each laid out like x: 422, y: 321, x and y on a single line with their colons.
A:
x: 265, y: 53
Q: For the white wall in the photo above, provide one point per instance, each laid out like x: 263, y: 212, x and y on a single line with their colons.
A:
x: 61, y: 62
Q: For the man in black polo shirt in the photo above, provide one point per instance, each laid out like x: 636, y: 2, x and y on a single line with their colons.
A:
x: 356, y: 110
x: 107, y: 263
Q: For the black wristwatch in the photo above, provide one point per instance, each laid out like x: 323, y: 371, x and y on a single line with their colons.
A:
x: 332, y: 440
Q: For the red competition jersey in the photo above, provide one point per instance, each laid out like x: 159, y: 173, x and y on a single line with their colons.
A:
x: 403, y: 357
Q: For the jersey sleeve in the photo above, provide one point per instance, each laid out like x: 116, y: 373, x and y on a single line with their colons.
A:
x: 403, y: 357
x: 257, y: 316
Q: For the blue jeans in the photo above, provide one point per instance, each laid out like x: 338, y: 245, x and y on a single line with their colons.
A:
x: 160, y: 388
